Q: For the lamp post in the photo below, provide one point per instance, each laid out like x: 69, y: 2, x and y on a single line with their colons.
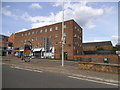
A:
x: 63, y: 35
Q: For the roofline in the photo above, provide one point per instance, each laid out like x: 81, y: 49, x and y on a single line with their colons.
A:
x: 4, y: 35
x: 48, y: 25
x: 97, y: 42
x: 77, y: 24
x: 93, y: 43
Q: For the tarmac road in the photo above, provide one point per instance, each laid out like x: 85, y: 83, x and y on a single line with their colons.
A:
x: 15, y: 77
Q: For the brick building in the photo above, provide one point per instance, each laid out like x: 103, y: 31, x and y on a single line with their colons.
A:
x: 104, y: 47
x: 49, y: 37
x: 118, y: 46
x: 98, y: 52
x: 10, y: 45
x: 3, y: 45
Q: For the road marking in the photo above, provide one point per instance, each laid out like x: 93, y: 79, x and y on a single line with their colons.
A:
x: 93, y: 80
x: 26, y: 69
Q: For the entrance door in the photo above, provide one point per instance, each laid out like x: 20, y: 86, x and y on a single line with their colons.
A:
x: 65, y: 55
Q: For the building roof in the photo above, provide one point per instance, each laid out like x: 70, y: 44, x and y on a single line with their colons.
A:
x: 97, y: 43
x: 48, y: 25
x: 1, y: 36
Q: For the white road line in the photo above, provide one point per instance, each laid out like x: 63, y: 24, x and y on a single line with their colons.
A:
x: 37, y: 71
x: 96, y: 78
x: 93, y: 80
x: 26, y: 69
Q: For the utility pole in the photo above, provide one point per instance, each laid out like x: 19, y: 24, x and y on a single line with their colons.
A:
x: 63, y: 35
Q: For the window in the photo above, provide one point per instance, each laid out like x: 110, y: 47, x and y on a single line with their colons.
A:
x: 32, y: 39
x: 50, y: 36
x: 56, y: 43
x: 50, y: 29
x: 25, y: 34
x: 45, y: 30
x: 80, y: 45
x: 65, y: 26
x: 65, y: 34
x: 40, y: 31
x: 56, y: 35
x: 75, y: 27
x: 36, y: 32
x: 75, y: 35
x: 36, y: 46
x: 41, y: 38
x: 29, y: 33
x: 78, y: 36
x: 32, y: 32
x: 40, y: 45
x: 76, y: 43
x: 36, y: 38
x: 25, y: 40
x: 22, y: 35
x: 28, y: 39
x: 10, y: 44
x: 56, y: 28
x: 78, y: 29
x: 77, y: 52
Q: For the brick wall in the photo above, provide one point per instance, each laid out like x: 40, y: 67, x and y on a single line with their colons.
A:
x: 113, y: 59
x: 94, y: 48
x: 11, y: 38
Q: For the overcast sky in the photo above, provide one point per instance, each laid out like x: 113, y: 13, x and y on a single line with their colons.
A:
x: 99, y: 20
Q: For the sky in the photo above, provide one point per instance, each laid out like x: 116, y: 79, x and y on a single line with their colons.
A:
x: 99, y: 20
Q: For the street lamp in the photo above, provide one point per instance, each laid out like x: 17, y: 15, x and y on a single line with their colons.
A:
x: 63, y: 35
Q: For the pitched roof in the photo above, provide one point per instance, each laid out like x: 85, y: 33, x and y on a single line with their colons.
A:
x: 97, y: 43
x: 3, y: 36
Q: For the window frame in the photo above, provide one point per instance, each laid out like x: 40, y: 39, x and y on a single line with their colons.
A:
x: 56, y: 28
x: 41, y: 31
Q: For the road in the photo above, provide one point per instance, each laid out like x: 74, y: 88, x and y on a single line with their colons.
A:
x: 15, y: 77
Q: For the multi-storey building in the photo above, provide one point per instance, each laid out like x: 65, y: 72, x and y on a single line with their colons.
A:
x: 49, y: 37
x: 93, y: 46
x: 3, y: 45
x: 10, y: 45
x: 104, y: 47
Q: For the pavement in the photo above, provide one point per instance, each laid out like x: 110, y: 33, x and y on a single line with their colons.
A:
x: 70, y: 68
